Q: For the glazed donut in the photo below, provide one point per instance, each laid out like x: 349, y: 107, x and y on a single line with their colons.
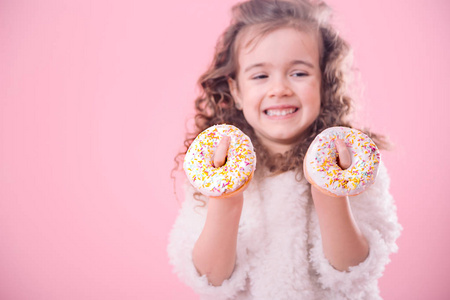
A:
x: 321, y: 169
x: 234, y: 175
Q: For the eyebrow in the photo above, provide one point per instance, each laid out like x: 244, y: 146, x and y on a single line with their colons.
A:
x: 254, y: 66
x: 302, y: 62
x: 293, y: 63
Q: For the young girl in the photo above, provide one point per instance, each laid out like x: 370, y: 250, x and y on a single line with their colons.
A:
x: 279, y: 74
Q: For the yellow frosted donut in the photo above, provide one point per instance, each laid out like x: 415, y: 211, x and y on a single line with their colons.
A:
x: 233, y: 175
x: 321, y: 168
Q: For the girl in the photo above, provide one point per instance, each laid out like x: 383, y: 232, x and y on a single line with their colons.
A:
x: 279, y: 74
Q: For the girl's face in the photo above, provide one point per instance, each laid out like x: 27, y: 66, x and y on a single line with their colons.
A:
x: 278, y: 86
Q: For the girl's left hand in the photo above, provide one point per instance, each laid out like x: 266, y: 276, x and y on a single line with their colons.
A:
x: 344, y: 154
x: 343, y: 243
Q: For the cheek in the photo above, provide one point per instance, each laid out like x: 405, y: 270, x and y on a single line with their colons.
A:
x: 313, y: 95
x: 313, y: 100
x: 316, y: 92
x: 251, y: 97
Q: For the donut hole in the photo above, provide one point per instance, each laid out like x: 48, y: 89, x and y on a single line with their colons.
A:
x: 224, y: 163
x: 338, y: 162
x: 335, y: 153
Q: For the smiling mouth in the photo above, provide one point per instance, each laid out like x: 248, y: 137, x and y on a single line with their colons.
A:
x: 280, y: 112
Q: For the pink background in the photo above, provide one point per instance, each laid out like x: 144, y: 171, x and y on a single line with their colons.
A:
x: 94, y: 97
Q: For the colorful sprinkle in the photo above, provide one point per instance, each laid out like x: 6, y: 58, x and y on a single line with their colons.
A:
x: 321, y: 161
x: 199, y: 167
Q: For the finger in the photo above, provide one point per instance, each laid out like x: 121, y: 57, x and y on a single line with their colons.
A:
x: 221, y: 152
x: 345, y: 157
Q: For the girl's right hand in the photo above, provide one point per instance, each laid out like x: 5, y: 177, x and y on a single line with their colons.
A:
x: 220, y: 154
x: 214, y: 253
x: 219, y: 159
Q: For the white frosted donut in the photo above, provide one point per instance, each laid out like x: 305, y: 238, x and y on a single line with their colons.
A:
x: 233, y: 175
x: 321, y: 168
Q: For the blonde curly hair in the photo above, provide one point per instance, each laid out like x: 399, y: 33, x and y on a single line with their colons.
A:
x: 215, y: 104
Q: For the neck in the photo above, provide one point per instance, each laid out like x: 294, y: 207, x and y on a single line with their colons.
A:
x: 275, y: 148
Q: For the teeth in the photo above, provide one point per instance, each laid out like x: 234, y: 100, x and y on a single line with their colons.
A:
x: 279, y: 112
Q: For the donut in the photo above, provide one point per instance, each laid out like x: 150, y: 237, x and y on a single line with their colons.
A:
x: 233, y: 176
x: 321, y: 169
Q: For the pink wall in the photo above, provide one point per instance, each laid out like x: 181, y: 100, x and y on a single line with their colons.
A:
x: 93, y: 101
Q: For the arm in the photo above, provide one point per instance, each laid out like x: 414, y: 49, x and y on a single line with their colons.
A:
x: 214, y: 253
x: 184, y: 234
x: 374, y: 212
x: 343, y: 243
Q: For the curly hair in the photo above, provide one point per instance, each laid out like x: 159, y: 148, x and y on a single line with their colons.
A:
x: 215, y: 104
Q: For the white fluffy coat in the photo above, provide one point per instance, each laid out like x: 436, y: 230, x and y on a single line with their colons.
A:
x: 279, y: 247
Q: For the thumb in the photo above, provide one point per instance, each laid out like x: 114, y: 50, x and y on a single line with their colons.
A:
x: 345, y: 157
x: 221, y: 152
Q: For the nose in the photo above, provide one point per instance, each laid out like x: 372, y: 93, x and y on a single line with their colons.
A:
x: 279, y: 87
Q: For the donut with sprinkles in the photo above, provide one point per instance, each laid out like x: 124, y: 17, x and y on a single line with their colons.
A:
x: 321, y: 169
x: 228, y: 179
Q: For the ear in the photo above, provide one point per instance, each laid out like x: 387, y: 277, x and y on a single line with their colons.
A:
x: 232, y: 84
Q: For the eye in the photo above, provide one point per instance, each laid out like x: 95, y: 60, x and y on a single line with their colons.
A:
x: 259, y: 76
x: 299, y: 74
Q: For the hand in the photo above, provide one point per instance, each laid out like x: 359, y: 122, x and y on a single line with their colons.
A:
x: 220, y: 155
x: 344, y: 156
x: 219, y: 159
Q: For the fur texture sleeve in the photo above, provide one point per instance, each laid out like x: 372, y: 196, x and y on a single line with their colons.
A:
x: 184, y: 234
x: 375, y: 213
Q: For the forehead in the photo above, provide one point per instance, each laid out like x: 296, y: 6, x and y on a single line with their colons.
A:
x: 256, y: 43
